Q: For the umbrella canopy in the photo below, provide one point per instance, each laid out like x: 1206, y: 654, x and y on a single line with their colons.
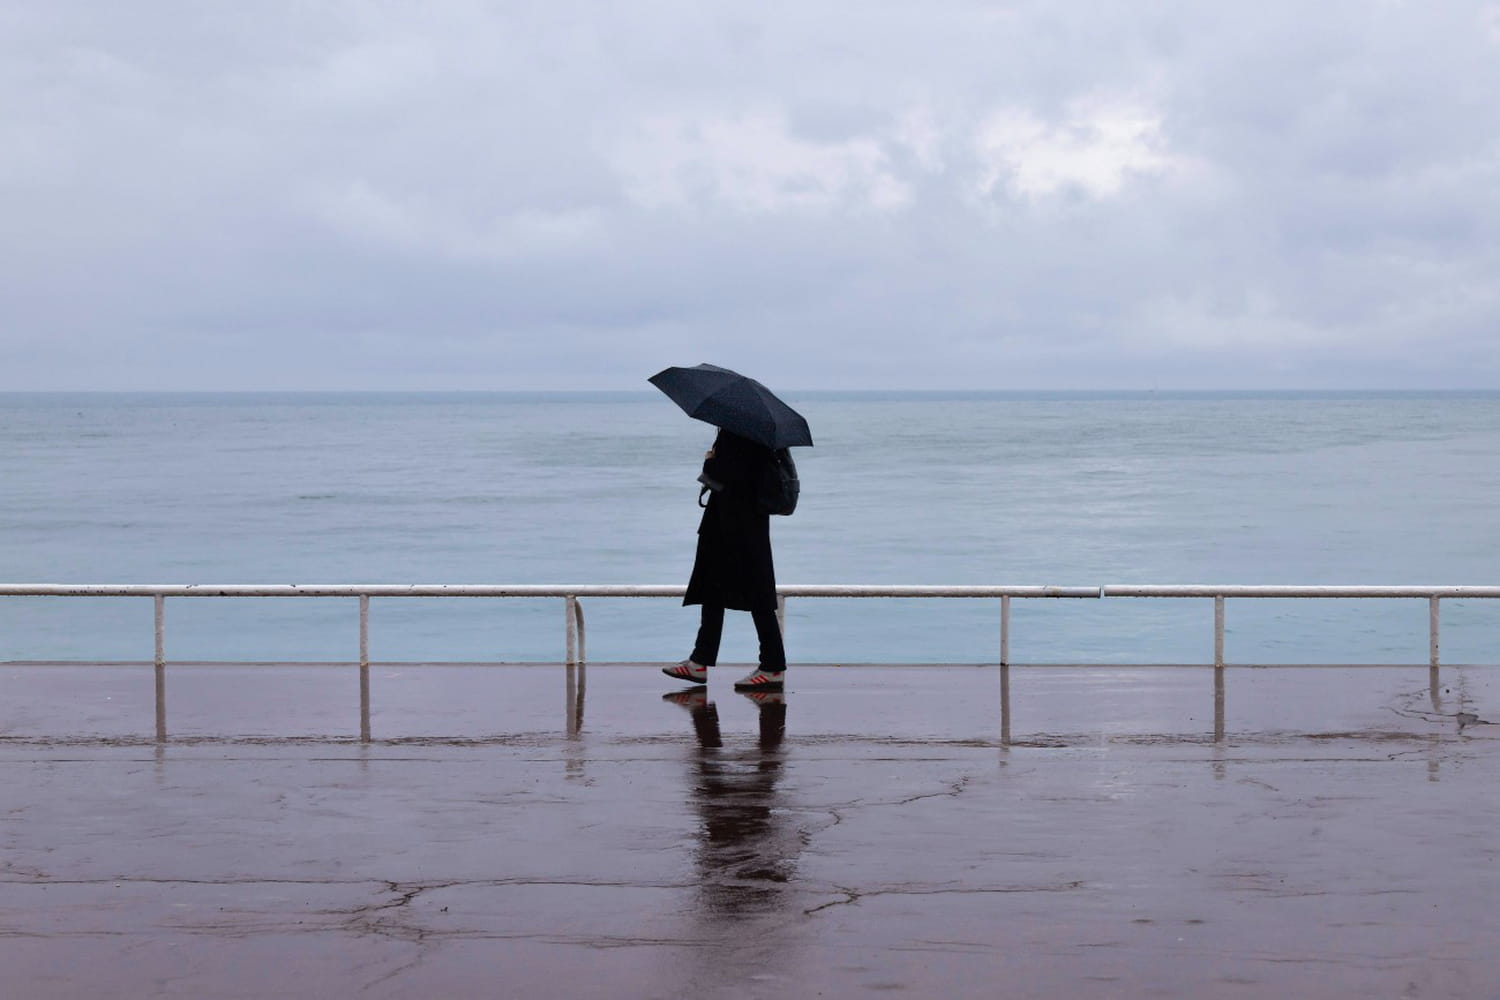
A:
x: 735, y: 403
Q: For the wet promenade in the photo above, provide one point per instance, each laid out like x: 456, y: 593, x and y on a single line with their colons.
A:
x: 543, y: 831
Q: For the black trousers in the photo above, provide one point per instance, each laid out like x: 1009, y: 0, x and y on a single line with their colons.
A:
x: 711, y: 630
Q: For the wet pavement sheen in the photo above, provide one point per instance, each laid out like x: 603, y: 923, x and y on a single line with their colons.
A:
x: 225, y: 831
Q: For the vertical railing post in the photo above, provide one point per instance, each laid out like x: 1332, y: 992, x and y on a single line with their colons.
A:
x: 583, y: 646
x: 1432, y: 632
x: 1432, y: 651
x: 1005, y: 630
x: 570, y: 642
x: 364, y: 668
x: 161, y: 645
x: 781, y: 616
x: 1218, y: 668
x: 364, y: 630
x: 159, y: 609
x: 1218, y: 630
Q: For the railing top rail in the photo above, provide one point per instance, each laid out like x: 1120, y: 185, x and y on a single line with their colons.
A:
x: 337, y: 590
x: 1281, y: 590
x: 507, y: 590
x: 677, y: 590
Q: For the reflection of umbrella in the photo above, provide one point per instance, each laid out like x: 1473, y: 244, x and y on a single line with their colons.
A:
x: 735, y: 403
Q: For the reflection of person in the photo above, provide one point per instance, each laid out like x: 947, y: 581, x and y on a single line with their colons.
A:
x: 733, y: 567
x: 748, y: 850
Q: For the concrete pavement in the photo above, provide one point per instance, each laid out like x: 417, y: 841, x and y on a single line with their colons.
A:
x: 547, y: 831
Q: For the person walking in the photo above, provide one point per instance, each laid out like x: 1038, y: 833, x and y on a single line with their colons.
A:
x: 733, y: 568
x: 747, y: 476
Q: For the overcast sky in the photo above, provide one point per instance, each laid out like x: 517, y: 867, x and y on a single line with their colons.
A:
x: 352, y: 194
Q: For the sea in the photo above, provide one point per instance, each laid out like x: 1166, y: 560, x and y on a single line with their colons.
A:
x: 1027, y: 488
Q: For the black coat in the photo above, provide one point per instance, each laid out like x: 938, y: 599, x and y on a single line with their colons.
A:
x: 733, y: 567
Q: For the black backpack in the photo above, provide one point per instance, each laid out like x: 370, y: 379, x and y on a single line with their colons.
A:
x: 779, y: 487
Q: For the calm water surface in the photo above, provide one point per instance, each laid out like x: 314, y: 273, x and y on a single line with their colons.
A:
x: 1075, y: 489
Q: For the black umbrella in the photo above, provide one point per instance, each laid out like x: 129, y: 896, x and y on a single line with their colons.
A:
x: 735, y: 403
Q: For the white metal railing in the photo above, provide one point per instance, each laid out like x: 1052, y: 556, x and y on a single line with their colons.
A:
x: 574, y: 651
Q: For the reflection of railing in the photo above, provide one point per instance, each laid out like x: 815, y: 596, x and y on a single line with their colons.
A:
x: 574, y: 629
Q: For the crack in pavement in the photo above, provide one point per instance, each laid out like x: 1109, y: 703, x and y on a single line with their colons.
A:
x: 954, y: 789
x: 367, y: 919
x: 856, y: 895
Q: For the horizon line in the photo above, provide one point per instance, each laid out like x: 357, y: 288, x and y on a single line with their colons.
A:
x: 647, y: 391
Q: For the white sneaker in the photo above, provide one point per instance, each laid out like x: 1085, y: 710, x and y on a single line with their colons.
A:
x: 687, y: 670
x: 761, y: 680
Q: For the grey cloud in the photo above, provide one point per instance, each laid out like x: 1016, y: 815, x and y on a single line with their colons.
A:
x: 471, y: 195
